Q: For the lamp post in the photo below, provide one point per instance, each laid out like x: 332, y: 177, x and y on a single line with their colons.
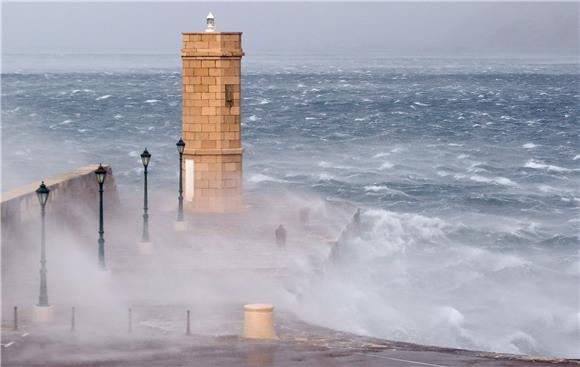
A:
x: 101, y: 173
x: 42, y: 193
x: 43, y: 311
x: 145, y: 158
x: 180, y: 148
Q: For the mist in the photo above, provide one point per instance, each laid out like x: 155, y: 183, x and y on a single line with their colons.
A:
x: 481, y: 29
x: 453, y: 126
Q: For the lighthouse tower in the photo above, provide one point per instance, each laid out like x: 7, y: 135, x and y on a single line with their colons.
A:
x: 211, y: 119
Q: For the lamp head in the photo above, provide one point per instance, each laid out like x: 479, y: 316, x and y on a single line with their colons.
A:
x: 101, y: 173
x: 180, y: 146
x: 42, y: 193
x: 145, y: 158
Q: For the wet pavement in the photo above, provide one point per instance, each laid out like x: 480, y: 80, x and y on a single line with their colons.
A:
x: 298, y: 345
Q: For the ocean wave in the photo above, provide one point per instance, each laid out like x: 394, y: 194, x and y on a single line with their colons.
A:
x: 258, y: 177
x: 539, y: 165
x: 386, y: 165
x: 385, y: 189
x: 106, y: 96
x: 496, y: 180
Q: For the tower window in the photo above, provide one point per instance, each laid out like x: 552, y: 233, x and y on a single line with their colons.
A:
x: 229, y: 95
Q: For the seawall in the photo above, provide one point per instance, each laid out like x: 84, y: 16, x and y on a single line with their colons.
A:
x: 71, y: 194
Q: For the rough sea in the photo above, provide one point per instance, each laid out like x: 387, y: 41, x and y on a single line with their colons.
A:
x: 468, y: 171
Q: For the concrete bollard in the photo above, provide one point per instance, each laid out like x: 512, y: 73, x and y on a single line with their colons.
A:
x: 73, y: 320
x: 15, y: 317
x: 43, y: 313
x: 259, y: 321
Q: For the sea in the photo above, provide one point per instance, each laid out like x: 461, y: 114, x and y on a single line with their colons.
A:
x: 467, y: 171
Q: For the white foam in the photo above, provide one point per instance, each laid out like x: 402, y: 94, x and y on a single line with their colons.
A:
x: 152, y: 101
x: 386, y: 165
x: 497, y: 180
x: 252, y: 118
x: 103, y: 97
x: 381, y: 155
x: 539, y: 165
x: 381, y: 188
x: 462, y: 156
x: 257, y: 178
x: 529, y: 145
x: 576, y: 157
x: 421, y: 104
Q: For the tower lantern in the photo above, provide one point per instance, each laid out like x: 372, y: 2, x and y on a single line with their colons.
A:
x: 210, y: 23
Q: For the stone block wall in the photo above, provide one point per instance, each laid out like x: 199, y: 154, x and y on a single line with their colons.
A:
x: 211, y: 121
x: 72, y: 194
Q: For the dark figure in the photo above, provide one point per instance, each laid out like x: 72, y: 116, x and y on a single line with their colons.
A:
x: 356, y: 217
x: 304, y: 216
x: 280, y: 233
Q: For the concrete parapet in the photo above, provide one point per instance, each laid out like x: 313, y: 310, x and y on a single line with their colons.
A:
x: 70, y: 193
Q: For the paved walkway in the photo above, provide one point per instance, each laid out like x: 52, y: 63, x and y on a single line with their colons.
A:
x: 213, y: 269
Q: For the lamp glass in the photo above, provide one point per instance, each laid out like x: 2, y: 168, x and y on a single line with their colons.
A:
x: 180, y: 146
x: 145, y: 157
x: 101, y: 173
x: 42, y: 193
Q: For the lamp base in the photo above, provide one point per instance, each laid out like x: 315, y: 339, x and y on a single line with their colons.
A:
x: 43, y: 314
x: 145, y: 248
x: 180, y: 226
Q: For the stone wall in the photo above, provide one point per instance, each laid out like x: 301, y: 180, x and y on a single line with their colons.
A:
x: 71, y: 193
x: 211, y: 121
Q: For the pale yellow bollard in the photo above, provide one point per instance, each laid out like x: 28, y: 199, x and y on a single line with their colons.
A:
x: 259, y: 321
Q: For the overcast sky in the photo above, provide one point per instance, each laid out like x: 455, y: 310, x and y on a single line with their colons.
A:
x: 416, y: 28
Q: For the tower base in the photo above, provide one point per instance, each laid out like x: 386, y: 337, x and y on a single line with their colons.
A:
x: 217, y: 204
x: 43, y: 314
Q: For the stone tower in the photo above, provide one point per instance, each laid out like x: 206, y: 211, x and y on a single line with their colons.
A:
x: 211, y: 120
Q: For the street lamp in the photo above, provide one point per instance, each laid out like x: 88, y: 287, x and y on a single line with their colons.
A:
x: 101, y: 174
x: 180, y: 148
x: 145, y: 158
x: 42, y: 193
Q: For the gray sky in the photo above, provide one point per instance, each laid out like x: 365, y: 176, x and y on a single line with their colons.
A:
x: 415, y: 28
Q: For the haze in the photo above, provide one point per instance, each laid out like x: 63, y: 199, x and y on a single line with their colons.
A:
x: 535, y: 29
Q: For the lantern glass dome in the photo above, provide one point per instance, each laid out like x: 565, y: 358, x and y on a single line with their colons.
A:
x: 42, y: 193
x: 145, y: 157
x: 101, y: 173
x: 180, y: 146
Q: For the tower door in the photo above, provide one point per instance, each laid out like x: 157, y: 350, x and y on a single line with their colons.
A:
x: 189, y: 179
